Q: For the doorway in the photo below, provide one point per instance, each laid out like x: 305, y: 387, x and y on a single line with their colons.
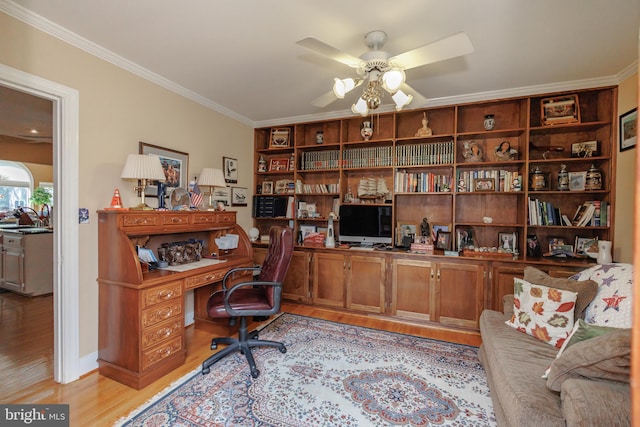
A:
x: 66, y: 172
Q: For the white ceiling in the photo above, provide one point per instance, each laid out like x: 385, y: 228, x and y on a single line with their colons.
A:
x: 241, y: 57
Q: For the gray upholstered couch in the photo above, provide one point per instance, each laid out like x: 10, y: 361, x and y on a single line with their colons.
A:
x: 587, y: 386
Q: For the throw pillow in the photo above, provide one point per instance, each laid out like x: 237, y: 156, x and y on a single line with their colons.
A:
x: 542, y: 312
x: 605, y: 357
x: 612, y: 304
x: 586, y: 289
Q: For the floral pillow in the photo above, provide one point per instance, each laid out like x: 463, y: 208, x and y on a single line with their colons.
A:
x: 543, y: 312
x: 612, y: 305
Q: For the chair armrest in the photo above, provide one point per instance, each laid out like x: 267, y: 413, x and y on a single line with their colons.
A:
x: 507, y: 305
x: 236, y: 270
x: 276, y: 299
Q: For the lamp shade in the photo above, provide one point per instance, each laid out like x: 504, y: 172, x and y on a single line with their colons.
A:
x: 393, y: 79
x: 143, y: 166
x: 360, y: 107
x: 401, y: 99
x: 212, y: 177
x: 341, y: 87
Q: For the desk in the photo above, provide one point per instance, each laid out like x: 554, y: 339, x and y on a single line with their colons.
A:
x: 141, y: 313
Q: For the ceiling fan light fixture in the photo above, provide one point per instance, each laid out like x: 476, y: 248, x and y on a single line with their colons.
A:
x: 360, y: 107
x: 401, y: 99
x: 343, y: 86
x: 393, y: 79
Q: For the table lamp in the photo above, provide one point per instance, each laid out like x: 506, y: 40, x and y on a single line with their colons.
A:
x: 144, y: 168
x: 211, y: 177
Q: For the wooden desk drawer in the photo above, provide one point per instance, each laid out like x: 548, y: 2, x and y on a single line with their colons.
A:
x: 204, y: 279
x: 157, y: 354
x: 160, y: 313
x: 137, y: 220
x: 161, y: 294
x: 162, y: 332
x: 227, y: 218
x: 175, y: 219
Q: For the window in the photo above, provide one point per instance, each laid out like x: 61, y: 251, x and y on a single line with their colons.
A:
x: 16, y: 183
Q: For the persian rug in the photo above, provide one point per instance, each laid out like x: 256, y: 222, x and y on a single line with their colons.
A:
x: 331, y: 375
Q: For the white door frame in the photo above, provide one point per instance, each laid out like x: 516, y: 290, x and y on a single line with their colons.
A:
x: 66, y: 336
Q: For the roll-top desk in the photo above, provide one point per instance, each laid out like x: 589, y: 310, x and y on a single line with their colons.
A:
x: 141, y: 313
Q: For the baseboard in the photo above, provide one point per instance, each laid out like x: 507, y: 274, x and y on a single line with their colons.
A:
x: 88, y: 363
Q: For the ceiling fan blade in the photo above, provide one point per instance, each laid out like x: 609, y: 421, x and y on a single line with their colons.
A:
x: 418, y: 99
x: 324, y: 100
x: 331, y: 52
x: 446, y: 48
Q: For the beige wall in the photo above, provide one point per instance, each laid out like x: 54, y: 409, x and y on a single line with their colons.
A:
x: 117, y: 110
x: 625, y: 182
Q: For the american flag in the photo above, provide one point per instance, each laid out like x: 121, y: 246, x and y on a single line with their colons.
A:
x: 196, y: 196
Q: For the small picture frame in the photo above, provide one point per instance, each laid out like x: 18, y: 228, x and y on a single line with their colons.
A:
x: 279, y: 138
x: 443, y: 240
x: 560, y: 110
x: 508, y: 241
x: 230, y: 169
x: 267, y: 187
x: 584, y: 149
x: 465, y: 238
x: 278, y: 165
x: 435, y: 228
x: 484, y: 184
x: 577, y: 181
x: 628, y: 129
x: 582, y: 243
x: 405, y: 233
x: 556, y: 243
x: 239, y: 196
x: 533, y: 246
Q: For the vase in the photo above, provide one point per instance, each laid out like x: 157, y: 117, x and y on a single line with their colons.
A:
x: 319, y: 137
x: 367, y: 130
x: 489, y: 122
x: 604, y: 252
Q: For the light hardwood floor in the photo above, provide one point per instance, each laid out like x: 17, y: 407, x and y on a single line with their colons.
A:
x: 26, y: 359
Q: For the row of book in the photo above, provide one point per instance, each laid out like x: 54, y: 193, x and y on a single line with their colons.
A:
x: 502, y: 180
x: 592, y: 213
x: 319, y: 160
x: 425, y: 154
x: 364, y: 157
x: 316, y: 188
x: 421, y: 182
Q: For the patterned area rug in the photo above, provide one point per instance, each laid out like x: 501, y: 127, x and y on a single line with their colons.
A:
x: 331, y: 375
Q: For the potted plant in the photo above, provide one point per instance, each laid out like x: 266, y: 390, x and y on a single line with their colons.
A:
x: 41, y: 197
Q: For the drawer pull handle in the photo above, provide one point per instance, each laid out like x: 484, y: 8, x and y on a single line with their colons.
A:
x: 166, y: 293
x: 168, y: 312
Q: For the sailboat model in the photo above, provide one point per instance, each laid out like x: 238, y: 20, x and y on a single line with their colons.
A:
x: 372, y: 188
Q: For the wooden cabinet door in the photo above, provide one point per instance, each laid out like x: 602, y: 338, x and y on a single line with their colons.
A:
x: 296, y: 282
x: 329, y: 279
x: 502, y: 276
x: 460, y: 291
x: 13, y: 261
x: 412, y: 288
x: 365, y: 280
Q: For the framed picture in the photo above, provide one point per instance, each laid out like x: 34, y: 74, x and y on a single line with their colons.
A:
x: 628, y: 129
x: 267, y: 187
x: 582, y: 243
x: 405, y: 233
x: 508, y: 241
x: 584, y: 149
x: 239, y: 196
x: 230, y: 169
x: 277, y: 165
x: 560, y: 110
x: 577, y: 180
x: 484, y: 184
x: 221, y: 194
x: 175, y: 165
x: 556, y: 243
x: 533, y: 246
x: 279, y: 138
x: 465, y: 238
x: 443, y: 240
x: 435, y: 228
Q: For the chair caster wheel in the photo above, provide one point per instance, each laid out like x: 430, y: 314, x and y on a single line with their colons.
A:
x: 205, y: 371
x: 283, y: 349
x: 255, y: 373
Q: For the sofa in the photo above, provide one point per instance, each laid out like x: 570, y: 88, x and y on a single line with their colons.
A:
x: 574, y: 369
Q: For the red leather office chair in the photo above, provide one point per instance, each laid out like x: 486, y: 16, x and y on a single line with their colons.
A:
x: 258, y: 297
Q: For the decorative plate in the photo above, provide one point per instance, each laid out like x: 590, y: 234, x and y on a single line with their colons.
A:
x: 179, y: 197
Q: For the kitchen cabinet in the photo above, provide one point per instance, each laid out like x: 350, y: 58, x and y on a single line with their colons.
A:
x: 27, y: 263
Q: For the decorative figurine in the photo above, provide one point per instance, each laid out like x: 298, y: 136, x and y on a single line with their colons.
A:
x: 538, y: 180
x: 594, y: 179
x: 292, y: 162
x: 563, y: 178
x: 471, y: 152
x: 262, y: 164
x: 367, y: 130
x: 319, y: 137
x: 424, y: 130
x: 503, y: 152
x: 489, y: 122
x: 425, y: 228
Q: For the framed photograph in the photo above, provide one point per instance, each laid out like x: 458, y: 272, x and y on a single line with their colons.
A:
x: 581, y: 244
x: 279, y: 138
x: 230, y: 169
x: 443, y: 240
x: 221, y: 194
x: 560, y: 110
x: 508, y: 241
x: 435, y: 228
x: 577, y: 181
x: 533, y: 246
x: 267, y: 187
x: 175, y: 165
x: 239, y: 196
x: 556, y: 243
x: 278, y: 165
x: 405, y: 233
x: 628, y: 129
x: 484, y: 184
x: 465, y: 238
x: 305, y: 230
x: 584, y: 149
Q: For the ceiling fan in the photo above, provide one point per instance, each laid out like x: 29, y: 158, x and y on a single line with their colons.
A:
x: 378, y: 70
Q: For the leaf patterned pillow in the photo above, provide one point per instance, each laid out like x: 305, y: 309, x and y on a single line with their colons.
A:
x: 542, y: 312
